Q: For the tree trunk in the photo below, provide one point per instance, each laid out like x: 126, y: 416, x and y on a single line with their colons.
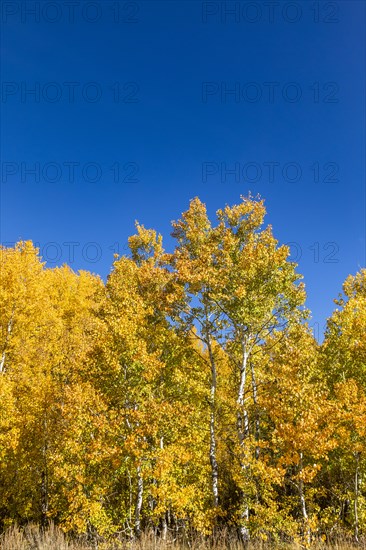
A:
x: 44, y: 474
x: 164, y: 526
x: 139, y: 495
x: 255, y: 401
x: 3, y: 355
x: 213, y: 460
x: 303, y: 504
x: 242, y: 415
x: 44, y: 499
x: 243, y: 432
x: 130, y: 494
x: 244, y: 531
x: 164, y: 517
x: 356, y: 498
x: 344, y: 511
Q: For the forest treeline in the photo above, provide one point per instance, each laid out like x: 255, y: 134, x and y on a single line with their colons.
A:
x: 185, y: 394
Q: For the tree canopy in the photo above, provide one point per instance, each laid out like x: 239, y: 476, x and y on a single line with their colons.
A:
x: 185, y: 393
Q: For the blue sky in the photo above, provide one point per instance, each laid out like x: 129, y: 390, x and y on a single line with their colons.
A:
x: 137, y: 107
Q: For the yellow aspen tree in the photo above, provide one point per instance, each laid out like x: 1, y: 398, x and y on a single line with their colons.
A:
x: 25, y: 322
x: 158, y: 389
x: 44, y: 354
x: 298, y: 413
x: 344, y: 369
x: 241, y: 288
x: 198, y: 314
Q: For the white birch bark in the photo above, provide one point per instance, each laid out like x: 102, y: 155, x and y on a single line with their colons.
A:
x: 243, y: 431
x: 255, y: 401
x: 303, y: 503
x: 3, y: 355
x: 213, y: 459
x: 163, y: 521
x: 242, y: 415
x: 139, y: 497
x: 164, y: 527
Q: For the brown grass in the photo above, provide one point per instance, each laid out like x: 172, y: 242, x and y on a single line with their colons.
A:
x: 32, y: 537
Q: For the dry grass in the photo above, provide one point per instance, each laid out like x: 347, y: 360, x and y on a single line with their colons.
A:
x: 32, y: 537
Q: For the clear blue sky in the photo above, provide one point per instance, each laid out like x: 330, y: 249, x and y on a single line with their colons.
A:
x: 136, y: 110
